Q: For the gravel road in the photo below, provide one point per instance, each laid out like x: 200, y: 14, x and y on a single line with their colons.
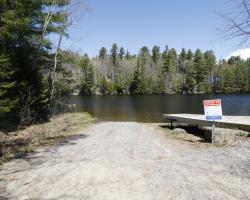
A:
x: 128, y: 160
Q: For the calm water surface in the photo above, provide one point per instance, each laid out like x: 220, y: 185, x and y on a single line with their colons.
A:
x: 149, y: 108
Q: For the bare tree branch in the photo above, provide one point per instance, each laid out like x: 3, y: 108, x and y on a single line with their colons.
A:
x: 238, y: 22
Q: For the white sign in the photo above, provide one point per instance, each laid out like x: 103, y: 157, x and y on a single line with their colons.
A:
x: 213, y: 110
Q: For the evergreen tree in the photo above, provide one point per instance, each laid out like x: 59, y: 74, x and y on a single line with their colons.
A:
x: 103, y: 86
x: 183, y: 55
x: 121, y: 53
x: 119, y: 86
x: 190, y: 82
x: 190, y: 55
x: 166, y: 49
x: 170, y: 63
x: 114, y: 54
x: 7, y: 85
x: 102, y: 53
x: 144, y: 56
x: 106, y: 87
x: 228, y: 80
x: 182, y: 61
x: 210, y: 60
x: 160, y: 85
x: 156, y: 54
x: 240, y: 79
x: 24, y: 41
x: 88, y: 82
x: 139, y: 83
x: 248, y: 74
x: 134, y: 85
x: 201, y: 71
x: 234, y: 60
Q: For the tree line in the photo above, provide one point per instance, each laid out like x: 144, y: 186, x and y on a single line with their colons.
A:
x: 158, y: 72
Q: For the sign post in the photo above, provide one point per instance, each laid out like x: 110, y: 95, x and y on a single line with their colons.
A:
x: 213, y: 111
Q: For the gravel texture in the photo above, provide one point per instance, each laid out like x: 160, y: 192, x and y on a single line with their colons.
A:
x: 128, y: 160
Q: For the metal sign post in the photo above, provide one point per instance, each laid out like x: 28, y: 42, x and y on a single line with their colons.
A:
x: 213, y: 131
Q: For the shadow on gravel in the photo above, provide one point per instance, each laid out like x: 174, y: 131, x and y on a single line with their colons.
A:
x: 192, y: 130
x: 36, y: 159
x: 70, y: 140
x: 3, y: 198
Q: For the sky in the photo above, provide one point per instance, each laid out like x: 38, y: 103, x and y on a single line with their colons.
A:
x: 135, y: 23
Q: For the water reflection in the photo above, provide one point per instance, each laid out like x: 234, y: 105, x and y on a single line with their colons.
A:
x: 149, y: 108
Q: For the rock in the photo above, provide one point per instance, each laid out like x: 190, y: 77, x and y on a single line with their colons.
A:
x: 223, y: 136
x: 177, y: 131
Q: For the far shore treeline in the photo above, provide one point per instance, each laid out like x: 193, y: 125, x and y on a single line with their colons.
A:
x: 117, y: 72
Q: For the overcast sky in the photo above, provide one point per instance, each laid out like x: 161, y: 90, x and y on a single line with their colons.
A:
x: 135, y: 23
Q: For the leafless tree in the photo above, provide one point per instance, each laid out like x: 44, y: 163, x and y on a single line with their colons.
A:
x: 53, y: 71
x: 238, y: 22
x: 72, y: 13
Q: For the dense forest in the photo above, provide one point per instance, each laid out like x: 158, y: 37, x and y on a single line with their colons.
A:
x: 155, y: 72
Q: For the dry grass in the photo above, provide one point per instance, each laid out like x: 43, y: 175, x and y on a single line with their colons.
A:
x: 197, y: 136
x: 20, y: 142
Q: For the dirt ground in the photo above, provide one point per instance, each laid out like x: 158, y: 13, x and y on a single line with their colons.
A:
x: 128, y: 160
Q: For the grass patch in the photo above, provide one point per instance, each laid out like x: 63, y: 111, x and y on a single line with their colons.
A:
x: 243, y: 134
x: 58, y: 129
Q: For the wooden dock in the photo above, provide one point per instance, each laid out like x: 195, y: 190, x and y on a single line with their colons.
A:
x: 235, y: 122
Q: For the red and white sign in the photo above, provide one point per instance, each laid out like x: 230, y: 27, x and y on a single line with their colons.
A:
x: 212, y: 109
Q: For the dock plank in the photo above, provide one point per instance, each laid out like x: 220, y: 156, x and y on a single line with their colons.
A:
x: 239, y: 122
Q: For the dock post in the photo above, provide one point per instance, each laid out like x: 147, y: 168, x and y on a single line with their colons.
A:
x: 171, y: 123
x: 213, y: 132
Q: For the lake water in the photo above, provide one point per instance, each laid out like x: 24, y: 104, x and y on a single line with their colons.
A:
x: 149, y: 108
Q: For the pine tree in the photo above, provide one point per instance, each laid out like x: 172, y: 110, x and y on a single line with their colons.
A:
x: 190, y: 55
x: 144, y: 56
x: 234, y: 60
x: 228, y: 80
x: 182, y: 61
x: 156, y: 54
x: 88, y: 82
x: 7, y: 85
x: 190, y: 82
x: 248, y: 74
x: 102, y: 53
x: 170, y: 63
x: 121, y: 53
x: 104, y: 87
x: 210, y: 60
x: 201, y: 71
x: 114, y: 54
x: 23, y: 40
x: 166, y: 49
x: 183, y: 55
x: 160, y: 84
x: 119, y: 86
x: 240, y: 79
x: 139, y: 83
